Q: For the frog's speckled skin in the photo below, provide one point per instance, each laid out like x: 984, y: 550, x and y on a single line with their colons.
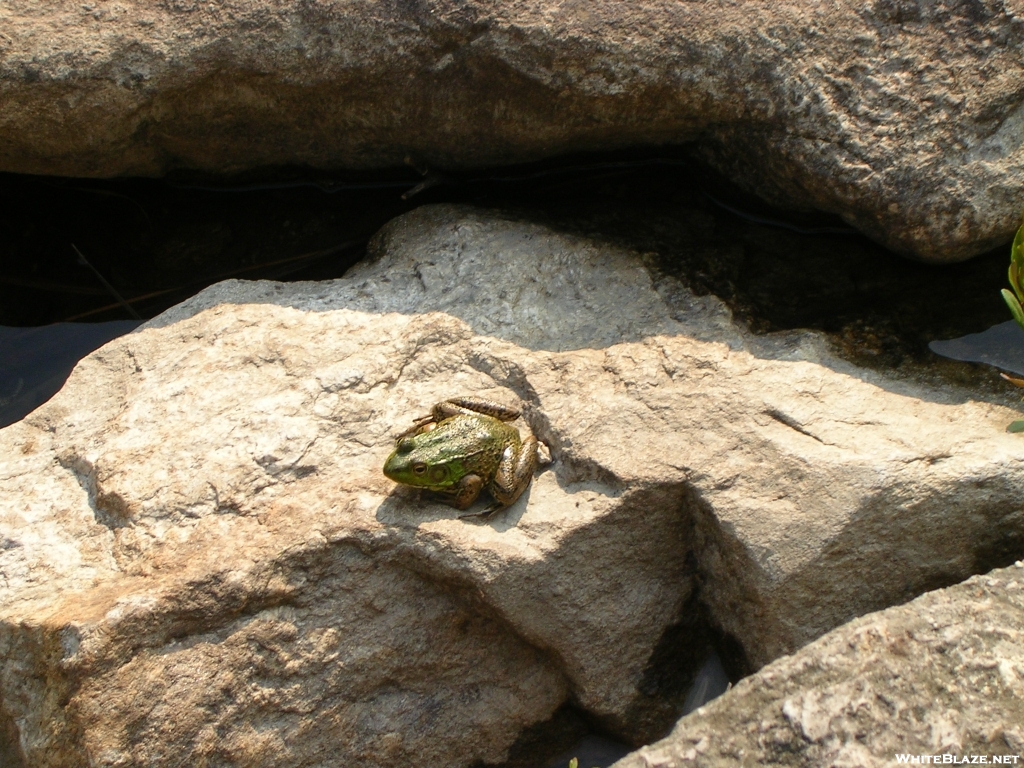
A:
x: 463, y: 447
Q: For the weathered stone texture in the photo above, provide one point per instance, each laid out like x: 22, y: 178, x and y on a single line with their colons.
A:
x: 904, y: 117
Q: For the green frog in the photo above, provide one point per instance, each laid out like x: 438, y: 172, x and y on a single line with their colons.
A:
x: 465, y: 446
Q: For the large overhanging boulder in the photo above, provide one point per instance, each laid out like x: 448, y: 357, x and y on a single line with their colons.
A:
x: 203, y: 562
x: 904, y: 117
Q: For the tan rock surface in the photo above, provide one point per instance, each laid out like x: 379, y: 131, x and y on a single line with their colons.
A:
x: 943, y: 674
x: 905, y: 117
x: 201, y: 557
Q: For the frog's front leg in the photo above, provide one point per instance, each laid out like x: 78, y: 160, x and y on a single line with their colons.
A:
x: 514, y: 475
x: 464, y: 494
x: 474, y: 406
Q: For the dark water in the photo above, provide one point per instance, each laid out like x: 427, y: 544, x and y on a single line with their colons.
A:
x: 1001, y: 346
x: 35, y: 362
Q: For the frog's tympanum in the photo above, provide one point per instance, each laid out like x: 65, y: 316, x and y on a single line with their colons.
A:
x: 462, y: 447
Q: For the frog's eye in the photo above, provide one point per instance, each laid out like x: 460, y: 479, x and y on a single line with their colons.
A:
x: 405, y: 445
x: 419, y: 468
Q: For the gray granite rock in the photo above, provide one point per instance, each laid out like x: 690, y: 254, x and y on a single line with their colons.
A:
x: 943, y: 674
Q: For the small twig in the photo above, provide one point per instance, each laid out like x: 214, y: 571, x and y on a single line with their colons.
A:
x: 430, y: 179
x: 120, y: 299
x: 310, y: 256
x: 329, y: 187
x: 108, y: 193
x: 108, y: 307
x: 767, y: 221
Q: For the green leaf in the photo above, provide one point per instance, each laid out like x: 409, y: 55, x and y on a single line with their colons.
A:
x: 1015, y: 308
x: 1017, y: 263
x: 1017, y: 249
x: 1016, y: 426
x: 574, y: 763
x: 1013, y: 274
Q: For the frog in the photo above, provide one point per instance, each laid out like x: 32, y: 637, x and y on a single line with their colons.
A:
x: 464, y: 446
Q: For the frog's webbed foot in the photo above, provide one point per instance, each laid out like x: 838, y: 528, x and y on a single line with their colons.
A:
x: 486, y: 513
x: 514, y: 475
x: 474, y: 406
x: 483, y: 514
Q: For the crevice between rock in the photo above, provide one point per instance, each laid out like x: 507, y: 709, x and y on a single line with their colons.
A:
x: 11, y: 755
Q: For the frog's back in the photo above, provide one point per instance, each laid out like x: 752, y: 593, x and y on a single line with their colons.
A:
x: 479, y: 442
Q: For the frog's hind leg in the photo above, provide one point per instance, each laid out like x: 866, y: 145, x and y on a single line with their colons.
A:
x: 473, y: 406
x: 513, y: 476
x: 421, y: 425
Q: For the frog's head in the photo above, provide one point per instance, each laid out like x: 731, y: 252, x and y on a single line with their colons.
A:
x: 425, y: 461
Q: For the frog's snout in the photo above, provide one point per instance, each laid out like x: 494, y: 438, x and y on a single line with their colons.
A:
x: 397, y: 466
x: 393, y: 466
